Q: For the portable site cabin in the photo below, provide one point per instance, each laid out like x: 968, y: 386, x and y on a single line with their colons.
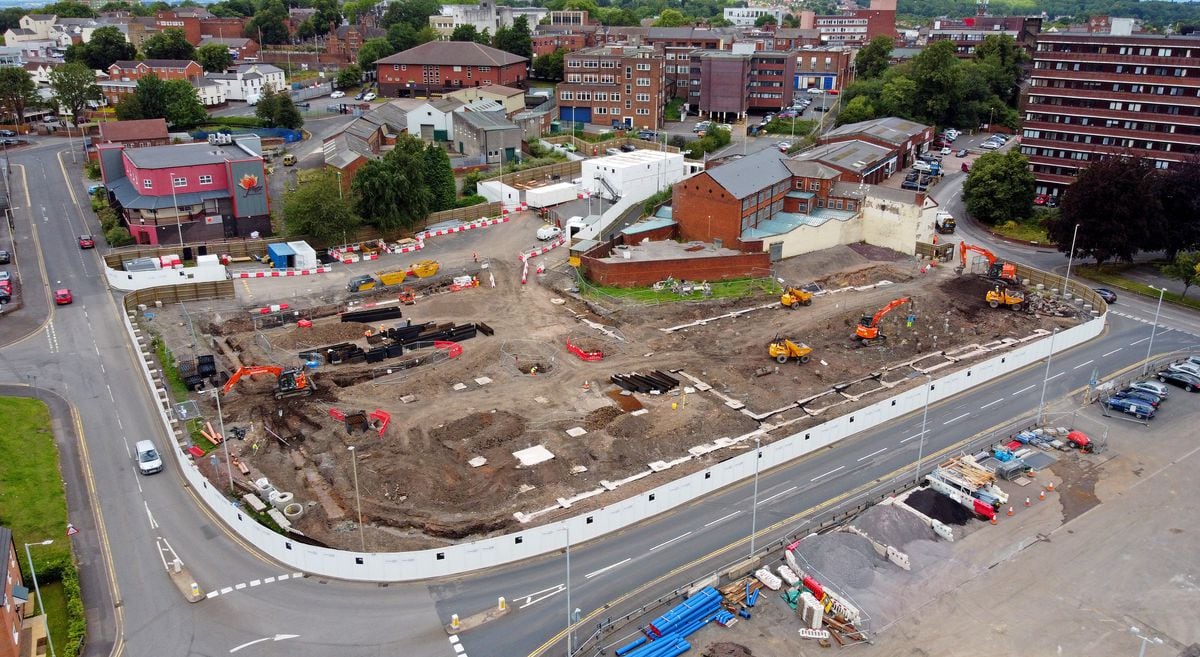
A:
x: 291, y: 255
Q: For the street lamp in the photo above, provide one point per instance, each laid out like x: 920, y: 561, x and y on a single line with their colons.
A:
x: 1046, y: 378
x: 224, y: 438
x: 357, y: 500
x: 1070, y: 259
x: 1153, y: 327
x: 175, y: 201
x: 924, y: 418
x: 38, y: 591
x: 754, y: 501
x: 1145, y: 639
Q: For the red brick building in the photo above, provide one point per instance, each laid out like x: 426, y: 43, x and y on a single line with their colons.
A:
x: 134, y: 134
x: 613, y: 86
x: 729, y: 84
x: 855, y: 26
x: 441, y: 66
x: 906, y: 139
x: 546, y: 43
x: 242, y: 49
x: 345, y: 41
x: 198, y: 23
x: 165, y: 69
x: 13, y: 596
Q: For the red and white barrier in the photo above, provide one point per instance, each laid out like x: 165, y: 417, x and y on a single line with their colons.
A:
x: 482, y: 223
x: 545, y: 249
x: 409, y: 249
x: 277, y: 273
x: 515, y: 207
x: 266, y: 310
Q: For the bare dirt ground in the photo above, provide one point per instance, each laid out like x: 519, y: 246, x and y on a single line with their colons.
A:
x: 418, y: 489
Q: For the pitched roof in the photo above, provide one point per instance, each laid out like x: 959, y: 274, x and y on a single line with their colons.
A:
x: 453, y: 53
x: 806, y: 168
x: 751, y: 173
x: 446, y: 105
x: 855, y: 155
x: 891, y: 129
x: 154, y: 63
x: 486, y: 120
x: 118, y: 131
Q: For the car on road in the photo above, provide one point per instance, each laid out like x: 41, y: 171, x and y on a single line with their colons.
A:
x: 1134, y: 407
x: 783, y: 146
x: 1152, y: 387
x: 87, y: 242
x: 628, y: 148
x: 370, y: 96
x: 820, y: 108
x: 1186, y: 381
x: 148, y: 459
x: 548, y: 232
x: 962, y: 152
x: 1148, y: 397
x: 1186, y: 367
x: 990, y: 145
x: 63, y: 297
x: 5, y: 257
x: 8, y: 133
x: 1108, y: 295
x: 701, y: 126
x: 647, y: 135
x: 10, y: 142
x: 338, y: 94
x: 815, y: 91
x: 945, y: 151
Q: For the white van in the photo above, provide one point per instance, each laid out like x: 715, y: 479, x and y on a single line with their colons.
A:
x: 148, y: 459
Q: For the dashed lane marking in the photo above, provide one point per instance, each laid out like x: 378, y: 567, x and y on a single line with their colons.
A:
x: 252, y: 583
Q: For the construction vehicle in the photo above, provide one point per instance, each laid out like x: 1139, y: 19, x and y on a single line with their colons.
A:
x: 292, y: 382
x: 944, y: 222
x: 794, y: 297
x: 1005, y: 296
x: 425, y: 268
x: 1004, y: 271
x: 784, y: 349
x: 867, y: 329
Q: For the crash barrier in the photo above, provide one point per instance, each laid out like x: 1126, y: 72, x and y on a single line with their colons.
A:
x: 450, y: 230
x: 116, y: 258
x: 614, y: 516
x: 590, y: 356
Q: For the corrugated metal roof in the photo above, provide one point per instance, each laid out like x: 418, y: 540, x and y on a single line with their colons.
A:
x: 750, y: 174
x: 486, y: 120
x: 855, y: 155
x: 647, y: 225
x: 891, y: 129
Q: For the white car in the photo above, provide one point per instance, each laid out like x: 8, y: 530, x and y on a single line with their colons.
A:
x: 945, y: 150
x: 815, y: 91
x: 1152, y: 387
x: 989, y: 145
x: 1186, y: 368
x: 548, y: 232
x: 338, y: 94
x: 369, y: 97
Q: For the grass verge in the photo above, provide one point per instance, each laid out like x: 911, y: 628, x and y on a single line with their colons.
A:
x: 34, y: 506
x: 736, y: 288
x: 1111, y: 276
x: 1023, y: 231
x: 672, y: 111
x: 198, y: 438
x: 170, y: 370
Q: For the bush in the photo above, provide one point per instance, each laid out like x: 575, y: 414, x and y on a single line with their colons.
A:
x: 63, y: 570
x: 470, y: 183
x: 108, y: 219
x: 118, y: 236
x: 92, y: 169
x: 654, y: 201
x: 232, y: 122
x: 468, y: 201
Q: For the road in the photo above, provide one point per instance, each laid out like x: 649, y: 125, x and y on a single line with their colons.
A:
x: 136, y: 524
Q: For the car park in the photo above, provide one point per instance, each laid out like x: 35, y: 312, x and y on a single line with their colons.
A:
x: 1003, y: 139
x: 63, y: 297
x: 548, y: 232
x: 962, y: 152
x: 1134, y: 407
x: 1186, y: 367
x: 87, y: 242
x: 1186, y: 381
x: 1152, y: 387
x: 1148, y: 397
x: 1194, y: 360
x: 1108, y: 295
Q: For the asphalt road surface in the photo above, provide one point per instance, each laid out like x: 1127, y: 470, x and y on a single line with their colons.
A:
x: 136, y: 525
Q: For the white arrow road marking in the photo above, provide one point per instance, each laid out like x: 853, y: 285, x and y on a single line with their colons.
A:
x: 277, y: 637
x: 536, y: 596
x: 607, y: 568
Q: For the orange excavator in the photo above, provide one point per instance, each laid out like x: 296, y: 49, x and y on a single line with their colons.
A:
x: 288, y: 382
x: 868, y: 327
x: 1005, y: 271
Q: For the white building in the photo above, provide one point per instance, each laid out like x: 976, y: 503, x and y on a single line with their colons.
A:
x: 746, y: 16
x: 485, y: 15
x: 636, y: 175
x: 210, y: 93
x: 249, y: 81
x: 434, y: 120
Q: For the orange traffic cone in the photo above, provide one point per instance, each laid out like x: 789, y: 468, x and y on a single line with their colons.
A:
x: 1041, y: 495
x: 1050, y: 487
x: 1027, y: 503
x: 993, y: 520
x: 1010, y: 511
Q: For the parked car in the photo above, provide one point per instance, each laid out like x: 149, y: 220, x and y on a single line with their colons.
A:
x: 548, y: 232
x: 990, y: 145
x: 1186, y: 367
x: 1148, y: 397
x: 338, y: 94
x: 92, y: 189
x: 945, y: 151
x: 912, y: 176
x: 912, y: 186
x: 1041, y: 199
x: 360, y: 94
x: 628, y: 148
x: 1134, y: 407
x: 1052, y: 202
x: 787, y: 114
x: 10, y: 142
x: 1152, y: 387
x: 5, y: 277
x: 1186, y: 381
x: 5, y: 257
x: 783, y: 146
x: 63, y: 297
x: 1108, y: 295
x: 962, y: 152
x: 87, y: 242
x: 370, y: 96
x: 814, y: 91
x: 953, y: 132
x: 820, y: 108
x: 1003, y: 139
x: 647, y: 135
x: 8, y: 133
x: 703, y: 125
x: 1194, y: 360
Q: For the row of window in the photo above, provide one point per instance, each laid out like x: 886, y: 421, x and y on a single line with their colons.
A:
x: 1115, y: 142
x: 1117, y: 87
x: 457, y: 69
x: 179, y: 181
x: 1095, y: 67
x: 1141, y: 126
x: 1105, y: 141
x: 1140, y: 51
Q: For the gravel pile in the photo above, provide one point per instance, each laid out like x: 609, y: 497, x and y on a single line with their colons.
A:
x: 939, y: 507
x: 845, y: 560
x: 893, y: 526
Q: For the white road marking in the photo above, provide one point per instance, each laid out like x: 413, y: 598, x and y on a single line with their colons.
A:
x: 670, y: 541
x: 606, y: 568
x: 268, y: 580
x: 255, y: 582
x: 530, y: 600
x: 1111, y: 352
x: 955, y: 419
x: 227, y: 589
x: 1138, y: 342
x: 277, y: 637
x: 1082, y: 365
x: 878, y: 451
x: 1025, y: 389
x: 764, y: 501
x: 840, y: 467
x: 990, y: 404
x: 239, y: 587
x: 1056, y: 376
x: 721, y: 519
x: 917, y: 435
x: 212, y: 594
x: 281, y: 578
x: 153, y: 524
x: 250, y: 584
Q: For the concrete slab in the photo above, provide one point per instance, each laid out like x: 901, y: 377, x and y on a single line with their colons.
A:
x: 533, y: 455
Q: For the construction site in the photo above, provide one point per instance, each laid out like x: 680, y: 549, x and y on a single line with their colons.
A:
x: 477, y: 404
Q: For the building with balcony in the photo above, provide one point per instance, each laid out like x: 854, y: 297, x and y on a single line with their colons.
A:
x: 1092, y: 95
x: 612, y: 85
x: 729, y: 84
x: 189, y: 192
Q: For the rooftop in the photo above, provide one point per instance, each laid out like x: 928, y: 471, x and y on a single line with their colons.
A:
x: 647, y: 225
x: 186, y: 155
x: 118, y: 131
x: 453, y: 53
x: 786, y: 222
x: 153, y: 63
x: 486, y: 120
x: 235, y: 42
x: 748, y: 175
x: 855, y: 155
x: 669, y: 250
x: 891, y: 129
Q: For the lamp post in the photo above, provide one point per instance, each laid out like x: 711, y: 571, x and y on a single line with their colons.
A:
x: 1046, y: 378
x: 1070, y: 259
x: 224, y: 438
x: 991, y: 117
x: 924, y: 418
x: 1145, y: 639
x: 362, y: 537
x: 1153, y: 327
x: 38, y: 591
x: 175, y: 201
x: 754, y: 500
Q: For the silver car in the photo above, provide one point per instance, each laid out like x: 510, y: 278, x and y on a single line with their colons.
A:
x: 1152, y: 387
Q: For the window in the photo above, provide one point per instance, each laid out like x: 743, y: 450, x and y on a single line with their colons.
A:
x: 601, y: 110
x: 148, y: 184
x: 205, y: 180
x: 179, y: 182
x: 485, y: 69
x: 643, y: 98
x: 643, y: 67
x: 396, y: 67
x: 567, y: 95
x: 643, y: 82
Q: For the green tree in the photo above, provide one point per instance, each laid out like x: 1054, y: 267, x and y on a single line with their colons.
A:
x: 269, y: 25
x: 516, y: 39
x: 549, y: 67
x: 317, y: 210
x: 465, y: 32
x: 351, y: 76
x: 74, y: 84
x: 896, y: 96
x: 276, y: 110
x: 373, y: 50
x: 1185, y: 268
x: 415, y: 13
x: 353, y: 9
x: 764, y: 20
x: 232, y: 8
x: 874, y: 58
x: 439, y: 176
x: 173, y: 100
x: 391, y: 191
x: 106, y: 46
x: 171, y: 43
x: 69, y: 10
x: 1001, y: 59
x: 858, y: 109
x: 1179, y: 193
x: 613, y: 17
x: 183, y: 106
x: 18, y: 91
x: 938, y: 78
x: 214, y: 57
x: 328, y: 14
x: 672, y: 18
x: 1000, y: 188
x: 1116, y: 203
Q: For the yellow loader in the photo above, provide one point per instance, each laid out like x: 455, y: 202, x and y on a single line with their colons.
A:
x: 794, y: 297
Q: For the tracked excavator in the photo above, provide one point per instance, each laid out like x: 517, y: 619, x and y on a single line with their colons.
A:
x: 1004, y: 271
x: 292, y: 382
x: 867, y: 330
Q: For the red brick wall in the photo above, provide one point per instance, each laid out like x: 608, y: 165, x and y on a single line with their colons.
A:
x: 545, y: 45
x: 393, y: 80
x: 657, y: 235
x: 704, y: 210
x: 225, y: 28
x: 635, y: 273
